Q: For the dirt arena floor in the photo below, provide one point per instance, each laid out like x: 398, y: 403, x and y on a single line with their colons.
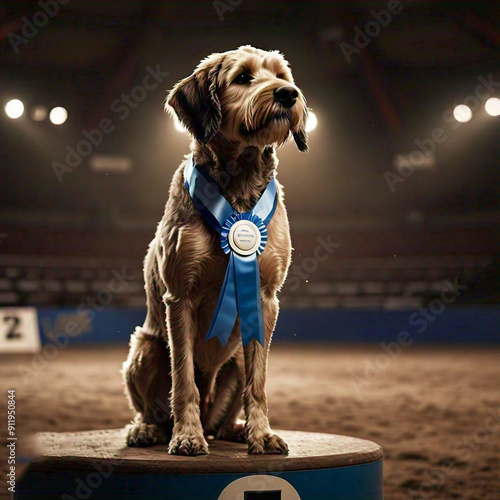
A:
x: 435, y: 411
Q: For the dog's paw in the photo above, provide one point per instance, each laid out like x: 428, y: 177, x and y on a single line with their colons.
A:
x: 191, y: 445
x: 268, y: 443
x: 141, y: 434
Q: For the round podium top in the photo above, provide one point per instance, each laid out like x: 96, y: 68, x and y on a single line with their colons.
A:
x: 308, y: 450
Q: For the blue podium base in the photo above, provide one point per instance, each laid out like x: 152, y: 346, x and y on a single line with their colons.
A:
x: 98, y: 465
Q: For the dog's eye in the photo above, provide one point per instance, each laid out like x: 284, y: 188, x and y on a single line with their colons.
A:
x: 281, y: 76
x: 242, y: 78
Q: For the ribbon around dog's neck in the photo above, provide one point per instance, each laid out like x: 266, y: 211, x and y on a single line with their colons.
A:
x: 243, y: 236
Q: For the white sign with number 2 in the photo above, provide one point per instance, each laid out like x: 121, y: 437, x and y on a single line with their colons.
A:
x: 19, y: 331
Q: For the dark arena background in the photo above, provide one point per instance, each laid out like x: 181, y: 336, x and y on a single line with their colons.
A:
x: 389, y: 318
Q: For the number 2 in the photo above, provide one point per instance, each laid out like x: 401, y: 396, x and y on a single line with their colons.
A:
x: 14, y: 323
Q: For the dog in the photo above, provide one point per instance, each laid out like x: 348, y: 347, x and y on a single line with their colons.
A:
x: 238, y: 106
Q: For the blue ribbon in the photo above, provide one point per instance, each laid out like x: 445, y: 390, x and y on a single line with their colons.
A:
x: 240, y: 294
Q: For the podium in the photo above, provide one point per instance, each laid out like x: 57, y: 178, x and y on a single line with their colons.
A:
x: 97, y: 465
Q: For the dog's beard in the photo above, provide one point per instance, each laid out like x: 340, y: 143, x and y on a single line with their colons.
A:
x: 260, y: 120
x: 274, y: 130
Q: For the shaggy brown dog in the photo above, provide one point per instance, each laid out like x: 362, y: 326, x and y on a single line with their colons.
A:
x: 238, y: 106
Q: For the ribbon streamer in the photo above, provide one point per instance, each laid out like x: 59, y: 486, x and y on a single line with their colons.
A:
x: 240, y: 293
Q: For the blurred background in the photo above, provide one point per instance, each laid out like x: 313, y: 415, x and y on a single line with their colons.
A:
x: 405, y: 184
x: 394, y: 212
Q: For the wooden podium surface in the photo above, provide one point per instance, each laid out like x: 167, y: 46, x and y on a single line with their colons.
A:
x: 308, y: 450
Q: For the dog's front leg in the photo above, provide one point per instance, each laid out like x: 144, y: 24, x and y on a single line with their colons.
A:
x: 187, y: 436
x: 260, y: 437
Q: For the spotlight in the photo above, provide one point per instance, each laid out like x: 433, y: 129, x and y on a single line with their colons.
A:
x: 179, y: 126
x: 39, y: 113
x: 14, y: 108
x: 311, y: 121
x: 58, y: 115
x: 462, y: 113
x: 492, y: 106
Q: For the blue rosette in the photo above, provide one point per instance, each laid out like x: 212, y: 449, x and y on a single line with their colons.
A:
x: 243, y: 236
x: 247, y: 216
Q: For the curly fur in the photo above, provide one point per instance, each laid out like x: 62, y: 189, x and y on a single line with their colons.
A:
x: 181, y: 386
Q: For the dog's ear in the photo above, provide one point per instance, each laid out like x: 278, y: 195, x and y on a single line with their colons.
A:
x: 196, y: 104
x: 300, y: 138
x: 300, y: 135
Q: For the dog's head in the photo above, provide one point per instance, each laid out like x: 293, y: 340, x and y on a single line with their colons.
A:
x: 246, y: 95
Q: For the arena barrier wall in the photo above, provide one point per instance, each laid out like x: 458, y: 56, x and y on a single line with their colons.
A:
x: 27, y: 329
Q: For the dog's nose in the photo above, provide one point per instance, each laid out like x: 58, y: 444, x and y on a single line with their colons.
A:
x: 286, y: 96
